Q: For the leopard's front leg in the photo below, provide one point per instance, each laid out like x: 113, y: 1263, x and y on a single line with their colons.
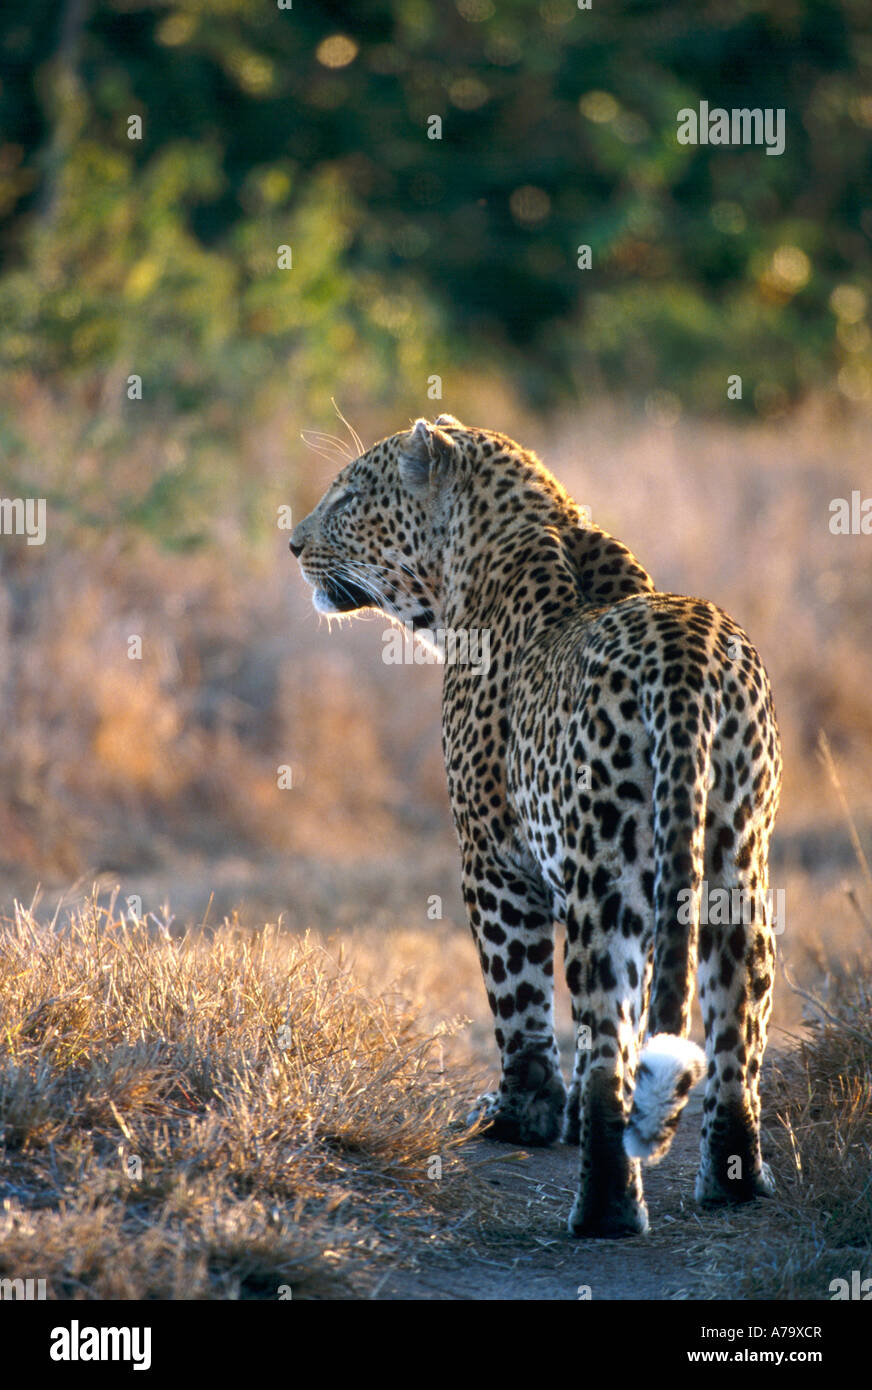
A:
x: 510, y: 915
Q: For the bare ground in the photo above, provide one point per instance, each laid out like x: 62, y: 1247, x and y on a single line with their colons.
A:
x: 544, y: 1262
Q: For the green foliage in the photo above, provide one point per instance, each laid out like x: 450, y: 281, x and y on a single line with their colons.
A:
x: 307, y: 127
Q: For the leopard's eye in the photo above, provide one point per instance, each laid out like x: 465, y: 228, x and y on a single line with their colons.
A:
x: 341, y: 502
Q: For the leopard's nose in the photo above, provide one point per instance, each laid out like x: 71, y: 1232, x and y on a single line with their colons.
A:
x: 295, y: 547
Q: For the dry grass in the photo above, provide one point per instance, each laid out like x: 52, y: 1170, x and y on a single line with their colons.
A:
x: 822, y: 1107
x: 213, y: 1116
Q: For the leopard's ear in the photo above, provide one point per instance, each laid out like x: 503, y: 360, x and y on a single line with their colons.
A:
x: 426, y: 455
x: 449, y: 422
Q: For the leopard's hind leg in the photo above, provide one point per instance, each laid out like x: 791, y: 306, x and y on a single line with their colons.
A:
x: 736, y: 973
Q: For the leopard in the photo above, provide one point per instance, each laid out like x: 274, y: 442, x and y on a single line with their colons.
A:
x: 616, y: 757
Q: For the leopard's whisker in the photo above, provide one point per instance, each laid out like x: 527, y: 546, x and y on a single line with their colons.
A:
x: 358, y: 442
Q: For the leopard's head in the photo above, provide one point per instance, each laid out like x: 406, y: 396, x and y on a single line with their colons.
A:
x: 374, y: 539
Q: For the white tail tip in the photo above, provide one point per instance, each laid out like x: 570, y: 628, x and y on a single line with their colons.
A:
x: 668, y: 1069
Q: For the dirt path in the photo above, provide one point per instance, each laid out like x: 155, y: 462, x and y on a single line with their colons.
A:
x: 547, y: 1263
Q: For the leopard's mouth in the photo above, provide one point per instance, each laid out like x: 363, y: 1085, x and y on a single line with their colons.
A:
x: 334, y: 595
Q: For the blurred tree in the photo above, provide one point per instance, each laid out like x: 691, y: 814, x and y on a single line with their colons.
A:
x: 310, y: 127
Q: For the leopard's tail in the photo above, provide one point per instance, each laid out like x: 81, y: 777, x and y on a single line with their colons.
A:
x: 670, y: 1065
x: 668, y: 1069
